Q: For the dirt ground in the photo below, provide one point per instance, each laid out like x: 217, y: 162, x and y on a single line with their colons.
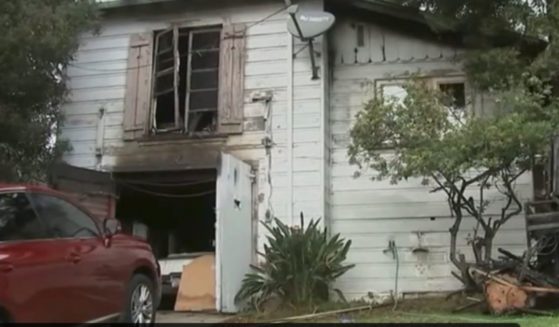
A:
x: 425, y: 310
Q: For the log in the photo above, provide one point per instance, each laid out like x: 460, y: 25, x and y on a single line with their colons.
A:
x: 330, y: 313
x: 537, y: 277
x: 505, y: 298
x: 509, y: 284
x: 510, y: 255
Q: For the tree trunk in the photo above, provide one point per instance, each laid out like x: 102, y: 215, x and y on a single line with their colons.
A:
x: 488, y: 245
x: 460, y: 263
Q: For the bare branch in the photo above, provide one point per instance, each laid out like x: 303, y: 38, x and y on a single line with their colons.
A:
x: 468, y: 205
x: 506, y: 207
x: 482, y: 176
x: 518, y: 210
x: 441, y: 186
x: 515, y: 177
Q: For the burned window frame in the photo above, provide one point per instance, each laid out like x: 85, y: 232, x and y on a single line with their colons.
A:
x: 183, y: 111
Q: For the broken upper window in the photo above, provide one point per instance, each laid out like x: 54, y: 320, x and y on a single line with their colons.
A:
x: 186, y: 79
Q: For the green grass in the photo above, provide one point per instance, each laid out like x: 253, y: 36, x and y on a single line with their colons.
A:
x: 437, y: 310
x: 425, y: 310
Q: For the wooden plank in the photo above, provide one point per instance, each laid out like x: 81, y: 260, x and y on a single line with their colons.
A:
x: 539, y: 218
x: 413, y: 225
x: 85, y: 58
x: 197, y: 285
x: 117, y: 79
x: 361, y: 286
x: 552, y: 226
x: 138, y: 85
x: 435, y: 240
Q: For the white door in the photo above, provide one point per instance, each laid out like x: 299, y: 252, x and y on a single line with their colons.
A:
x: 233, y: 229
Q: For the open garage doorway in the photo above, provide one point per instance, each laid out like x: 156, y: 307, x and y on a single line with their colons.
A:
x: 175, y: 212
x: 194, y: 219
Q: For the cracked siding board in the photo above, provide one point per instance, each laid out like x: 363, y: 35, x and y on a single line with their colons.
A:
x: 373, y: 212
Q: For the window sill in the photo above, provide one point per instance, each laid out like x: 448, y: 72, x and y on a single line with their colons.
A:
x: 181, y: 138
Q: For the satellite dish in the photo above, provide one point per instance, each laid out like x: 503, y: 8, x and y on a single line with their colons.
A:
x: 308, y: 25
x: 311, y: 24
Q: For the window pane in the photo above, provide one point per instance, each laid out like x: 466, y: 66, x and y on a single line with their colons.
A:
x: 165, y: 61
x: 164, y: 83
x: 203, y: 100
x: 206, y: 40
x: 202, y: 122
x: 204, y: 80
x: 457, y: 94
x: 63, y: 218
x: 165, y: 111
x: 18, y: 221
x: 394, y: 92
x: 165, y: 41
x: 205, y: 59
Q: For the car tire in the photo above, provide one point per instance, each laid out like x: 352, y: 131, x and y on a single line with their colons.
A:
x: 4, y: 317
x: 140, y: 306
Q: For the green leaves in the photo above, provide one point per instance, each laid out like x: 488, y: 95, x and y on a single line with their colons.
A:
x: 424, y: 138
x: 38, y: 40
x: 299, y: 266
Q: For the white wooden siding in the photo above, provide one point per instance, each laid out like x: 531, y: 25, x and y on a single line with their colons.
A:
x: 371, y: 213
x: 97, y: 80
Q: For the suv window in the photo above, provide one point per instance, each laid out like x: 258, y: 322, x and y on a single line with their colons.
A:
x: 18, y: 221
x: 63, y: 218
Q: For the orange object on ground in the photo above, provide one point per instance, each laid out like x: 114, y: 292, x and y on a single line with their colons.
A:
x: 197, y: 285
x: 503, y: 298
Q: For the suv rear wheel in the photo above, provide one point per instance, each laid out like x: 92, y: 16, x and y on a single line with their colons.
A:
x: 140, y: 301
x: 4, y: 317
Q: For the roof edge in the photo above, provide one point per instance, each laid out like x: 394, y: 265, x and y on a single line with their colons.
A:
x: 115, y: 4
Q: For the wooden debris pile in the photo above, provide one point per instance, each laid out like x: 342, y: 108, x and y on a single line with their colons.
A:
x: 517, y: 283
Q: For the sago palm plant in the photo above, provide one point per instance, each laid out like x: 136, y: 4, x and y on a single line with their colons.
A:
x: 299, y: 266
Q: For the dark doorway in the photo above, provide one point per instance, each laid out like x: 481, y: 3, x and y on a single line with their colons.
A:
x: 177, y: 208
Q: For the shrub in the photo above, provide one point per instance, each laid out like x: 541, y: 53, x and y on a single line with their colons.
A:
x: 299, y: 266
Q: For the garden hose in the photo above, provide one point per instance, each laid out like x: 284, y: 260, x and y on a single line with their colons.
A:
x: 395, y: 254
x: 392, y: 248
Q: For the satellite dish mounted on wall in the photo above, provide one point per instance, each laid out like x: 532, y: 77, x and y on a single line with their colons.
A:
x: 308, y: 25
x: 311, y: 24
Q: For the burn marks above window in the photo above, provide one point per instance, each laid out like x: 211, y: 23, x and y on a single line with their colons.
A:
x: 186, y: 86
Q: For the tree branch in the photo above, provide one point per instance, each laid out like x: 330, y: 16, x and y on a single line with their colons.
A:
x: 466, y: 203
x: 511, y: 197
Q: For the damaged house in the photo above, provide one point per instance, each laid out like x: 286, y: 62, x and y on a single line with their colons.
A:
x: 207, y: 118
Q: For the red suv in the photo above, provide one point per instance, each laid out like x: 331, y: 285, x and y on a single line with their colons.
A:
x: 60, y: 264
